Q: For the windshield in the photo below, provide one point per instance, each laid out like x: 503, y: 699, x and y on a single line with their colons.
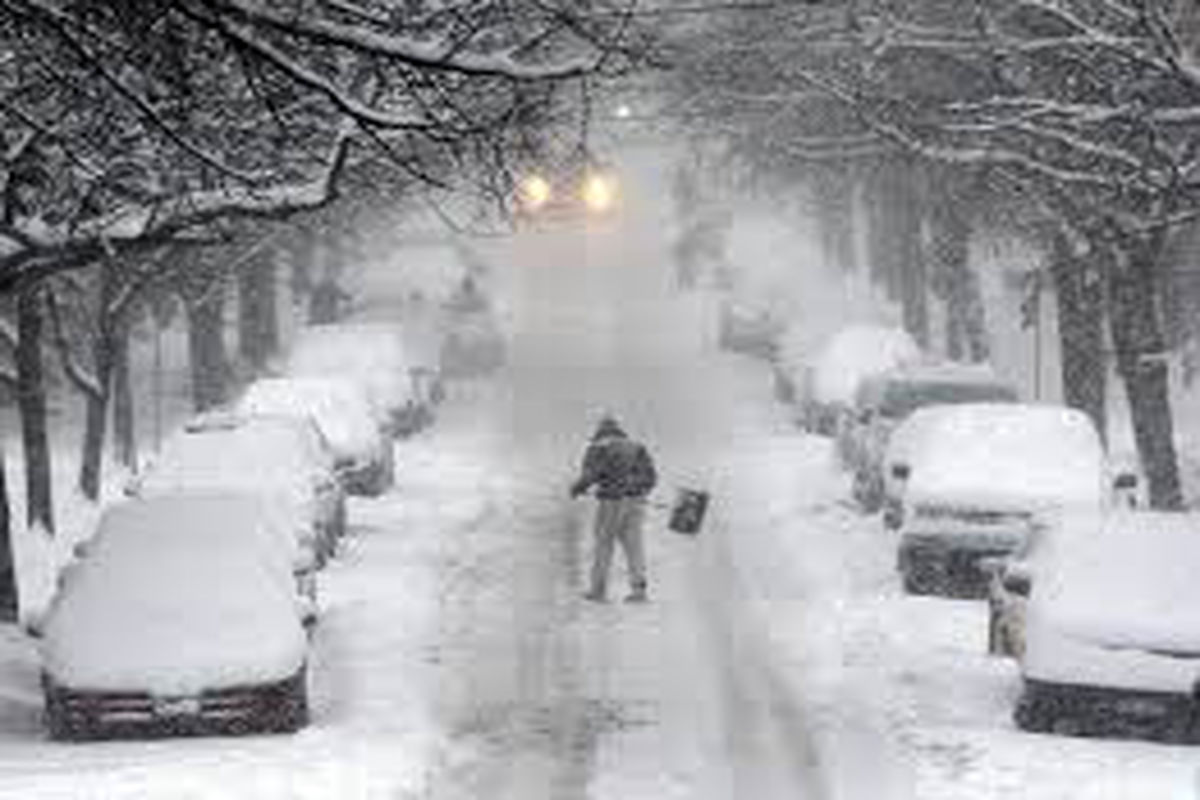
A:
x: 901, y: 398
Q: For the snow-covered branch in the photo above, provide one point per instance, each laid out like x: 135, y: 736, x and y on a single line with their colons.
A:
x: 437, y: 55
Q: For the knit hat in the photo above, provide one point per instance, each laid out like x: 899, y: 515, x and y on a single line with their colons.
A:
x: 608, y: 427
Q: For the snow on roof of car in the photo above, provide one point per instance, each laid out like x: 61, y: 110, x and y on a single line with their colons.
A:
x: 856, y: 353
x: 1127, y: 582
x: 1000, y: 455
x: 175, y: 595
x: 263, y: 451
x: 340, y: 407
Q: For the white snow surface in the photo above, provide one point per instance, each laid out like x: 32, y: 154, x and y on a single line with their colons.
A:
x: 266, y: 460
x: 176, y: 595
x: 856, y: 353
x: 1008, y: 457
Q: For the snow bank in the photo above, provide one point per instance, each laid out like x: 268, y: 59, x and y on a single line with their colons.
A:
x: 1001, y: 456
x: 176, y: 595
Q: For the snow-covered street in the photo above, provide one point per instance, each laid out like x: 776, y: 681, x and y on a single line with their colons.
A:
x: 455, y: 657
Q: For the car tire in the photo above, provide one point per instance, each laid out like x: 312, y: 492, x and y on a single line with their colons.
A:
x: 1033, y: 716
x: 289, y: 711
x: 920, y: 576
x: 61, y: 726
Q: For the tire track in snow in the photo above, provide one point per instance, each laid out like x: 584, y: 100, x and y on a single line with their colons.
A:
x: 510, y: 693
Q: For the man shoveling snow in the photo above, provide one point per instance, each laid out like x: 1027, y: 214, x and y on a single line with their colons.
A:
x: 623, y: 473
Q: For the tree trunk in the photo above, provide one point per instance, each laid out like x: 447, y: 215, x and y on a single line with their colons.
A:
x: 302, y: 263
x: 1135, y: 325
x: 206, y: 347
x: 1079, y: 292
x: 124, y: 430
x: 896, y: 243
x: 91, y: 465
x: 31, y: 399
x: 8, y: 575
x: 884, y: 266
x: 949, y: 255
x: 258, y: 323
x: 104, y: 345
x: 906, y: 208
x: 834, y: 195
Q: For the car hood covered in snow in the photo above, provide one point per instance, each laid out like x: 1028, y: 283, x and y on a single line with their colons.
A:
x: 1005, y: 457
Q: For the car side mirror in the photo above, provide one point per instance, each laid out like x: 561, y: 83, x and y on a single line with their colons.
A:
x: 1017, y: 583
x: 901, y: 472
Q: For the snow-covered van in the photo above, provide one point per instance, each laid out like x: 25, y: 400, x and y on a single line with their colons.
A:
x: 180, y: 617
x: 966, y: 481
x: 1112, y: 643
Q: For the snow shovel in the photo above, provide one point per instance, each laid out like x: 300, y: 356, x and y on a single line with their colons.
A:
x: 687, y: 513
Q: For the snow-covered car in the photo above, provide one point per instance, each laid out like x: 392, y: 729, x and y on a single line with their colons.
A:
x: 748, y: 327
x: 967, y: 481
x: 851, y: 356
x: 363, y: 453
x: 474, y: 345
x: 883, y: 402
x: 375, y: 355
x: 1113, y: 638
x: 180, y: 618
x: 285, y: 459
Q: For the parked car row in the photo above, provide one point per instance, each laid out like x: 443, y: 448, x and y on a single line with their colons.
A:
x: 1020, y: 504
x: 186, y: 610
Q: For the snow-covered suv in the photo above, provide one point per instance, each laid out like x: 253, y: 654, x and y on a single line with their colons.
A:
x: 966, y: 482
x: 1112, y: 634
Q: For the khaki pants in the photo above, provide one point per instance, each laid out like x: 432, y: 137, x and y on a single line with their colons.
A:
x: 619, y: 520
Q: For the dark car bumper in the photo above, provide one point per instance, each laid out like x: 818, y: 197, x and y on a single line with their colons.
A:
x: 1046, y: 707
x: 931, y: 568
x: 73, y: 714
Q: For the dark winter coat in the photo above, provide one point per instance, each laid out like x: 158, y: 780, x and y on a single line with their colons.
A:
x: 616, y: 465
